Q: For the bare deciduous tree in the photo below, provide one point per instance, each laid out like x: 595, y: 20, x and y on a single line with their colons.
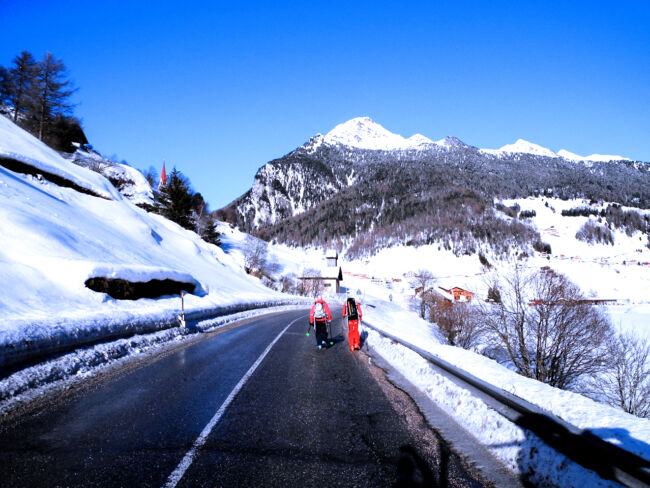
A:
x: 288, y: 284
x: 626, y: 384
x: 255, y: 255
x: 457, y: 321
x: 312, y: 287
x: 546, y: 329
x: 423, y: 281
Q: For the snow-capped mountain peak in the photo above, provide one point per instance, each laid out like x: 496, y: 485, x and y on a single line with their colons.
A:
x: 593, y: 157
x: 522, y: 146
x: 419, y: 139
x: 450, y: 142
x: 364, y: 133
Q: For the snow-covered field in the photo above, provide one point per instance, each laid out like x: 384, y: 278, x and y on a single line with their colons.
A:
x: 620, y: 272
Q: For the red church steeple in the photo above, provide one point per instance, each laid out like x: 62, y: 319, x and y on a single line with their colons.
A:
x: 163, y: 177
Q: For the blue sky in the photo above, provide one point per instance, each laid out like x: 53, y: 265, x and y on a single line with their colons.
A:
x: 217, y: 89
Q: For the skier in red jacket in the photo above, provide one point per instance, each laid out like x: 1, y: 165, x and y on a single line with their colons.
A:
x: 352, y: 309
x: 319, y: 318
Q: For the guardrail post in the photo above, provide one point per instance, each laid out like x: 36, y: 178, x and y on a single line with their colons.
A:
x: 181, y: 318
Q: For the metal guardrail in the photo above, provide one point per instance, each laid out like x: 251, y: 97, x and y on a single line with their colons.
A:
x: 590, y: 451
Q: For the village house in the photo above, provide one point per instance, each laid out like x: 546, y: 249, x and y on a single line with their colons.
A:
x: 331, y: 274
x: 456, y: 294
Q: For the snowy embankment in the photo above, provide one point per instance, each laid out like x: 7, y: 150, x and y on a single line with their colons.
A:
x: 55, y: 238
x: 519, y: 450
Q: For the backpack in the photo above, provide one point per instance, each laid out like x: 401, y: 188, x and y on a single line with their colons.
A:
x: 353, y: 314
x: 319, y: 311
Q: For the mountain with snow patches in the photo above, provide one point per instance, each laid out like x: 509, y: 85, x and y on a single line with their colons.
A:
x: 366, y: 187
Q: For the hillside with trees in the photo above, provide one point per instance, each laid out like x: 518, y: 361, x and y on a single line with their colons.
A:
x: 363, y: 200
x: 36, y: 95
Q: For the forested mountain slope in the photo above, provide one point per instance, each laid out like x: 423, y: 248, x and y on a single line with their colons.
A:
x: 345, y: 189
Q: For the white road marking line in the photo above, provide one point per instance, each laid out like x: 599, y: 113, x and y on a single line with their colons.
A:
x: 185, y: 463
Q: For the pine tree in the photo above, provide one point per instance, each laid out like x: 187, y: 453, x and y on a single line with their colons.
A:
x: 175, y: 200
x: 23, y: 84
x: 5, y: 90
x: 54, y: 91
x: 210, y: 233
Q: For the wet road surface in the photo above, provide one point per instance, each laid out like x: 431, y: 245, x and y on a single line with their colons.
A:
x: 305, y: 417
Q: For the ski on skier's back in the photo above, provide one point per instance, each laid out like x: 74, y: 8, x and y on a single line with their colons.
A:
x: 352, y: 314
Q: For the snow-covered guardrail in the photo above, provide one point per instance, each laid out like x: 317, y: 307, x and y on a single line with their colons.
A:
x: 592, y: 452
x: 51, y: 340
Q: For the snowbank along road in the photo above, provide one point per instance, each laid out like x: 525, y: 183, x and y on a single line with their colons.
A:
x: 254, y: 405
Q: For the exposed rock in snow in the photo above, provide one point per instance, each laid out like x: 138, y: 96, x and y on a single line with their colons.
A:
x: 129, y: 181
x: 313, y: 144
x: 354, y: 150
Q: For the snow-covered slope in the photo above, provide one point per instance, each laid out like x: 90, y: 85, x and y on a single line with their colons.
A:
x: 129, y: 181
x: 620, y: 271
x: 135, y: 186
x: 18, y: 144
x: 53, y: 239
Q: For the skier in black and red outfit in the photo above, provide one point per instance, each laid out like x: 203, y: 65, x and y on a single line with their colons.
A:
x: 352, y: 310
x: 319, y: 318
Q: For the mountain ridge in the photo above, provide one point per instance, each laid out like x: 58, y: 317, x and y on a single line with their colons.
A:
x: 365, y: 133
x: 371, y: 187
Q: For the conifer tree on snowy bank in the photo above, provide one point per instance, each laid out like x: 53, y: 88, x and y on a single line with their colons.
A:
x: 4, y: 87
x: 36, y: 95
x: 177, y: 201
x: 22, y: 84
x: 174, y: 200
x: 54, y: 92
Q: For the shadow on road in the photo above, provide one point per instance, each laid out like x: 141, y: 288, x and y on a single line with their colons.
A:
x: 362, y: 337
x: 413, y: 471
x: 336, y: 339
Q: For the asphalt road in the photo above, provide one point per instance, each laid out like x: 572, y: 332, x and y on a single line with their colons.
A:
x: 304, y: 417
